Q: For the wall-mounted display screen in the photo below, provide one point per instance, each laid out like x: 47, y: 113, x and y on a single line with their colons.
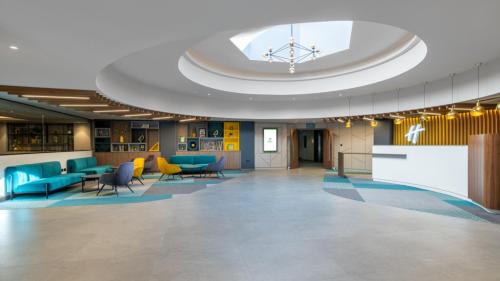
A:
x: 270, y: 139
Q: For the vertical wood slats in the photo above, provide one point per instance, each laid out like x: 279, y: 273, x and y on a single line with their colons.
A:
x: 440, y: 131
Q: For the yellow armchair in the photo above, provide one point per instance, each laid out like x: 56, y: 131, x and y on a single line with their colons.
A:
x: 138, y: 169
x: 168, y: 169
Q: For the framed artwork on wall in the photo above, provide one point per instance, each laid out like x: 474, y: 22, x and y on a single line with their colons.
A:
x: 270, y: 139
x: 202, y: 132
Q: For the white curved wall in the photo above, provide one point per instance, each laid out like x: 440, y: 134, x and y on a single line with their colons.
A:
x: 124, y: 89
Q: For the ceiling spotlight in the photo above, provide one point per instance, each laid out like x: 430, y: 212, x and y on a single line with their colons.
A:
x: 398, y: 121
x: 348, y: 123
x: 373, y: 123
x: 14, y: 47
x: 498, y: 106
x: 452, y: 114
x: 477, y: 110
x: 340, y: 120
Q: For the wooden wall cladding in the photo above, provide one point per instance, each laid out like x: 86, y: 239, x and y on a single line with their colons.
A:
x: 484, y: 167
x: 232, y: 162
x: 439, y: 131
x: 120, y: 128
x: 116, y: 158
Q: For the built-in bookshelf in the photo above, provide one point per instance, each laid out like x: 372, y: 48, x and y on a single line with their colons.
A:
x: 208, y: 137
x: 126, y: 136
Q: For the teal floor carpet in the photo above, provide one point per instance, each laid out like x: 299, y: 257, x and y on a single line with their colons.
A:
x: 405, y: 197
x: 152, y: 190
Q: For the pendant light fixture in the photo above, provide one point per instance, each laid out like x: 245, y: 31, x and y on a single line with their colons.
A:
x: 477, y: 110
x: 452, y: 114
x: 423, y: 115
x: 348, y: 122
x: 398, y: 119
x: 373, y: 122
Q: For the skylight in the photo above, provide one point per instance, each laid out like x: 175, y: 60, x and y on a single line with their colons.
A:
x: 329, y: 37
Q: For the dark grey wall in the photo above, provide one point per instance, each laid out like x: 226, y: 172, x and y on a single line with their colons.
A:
x: 168, y: 137
x: 382, y: 134
x: 247, y: 145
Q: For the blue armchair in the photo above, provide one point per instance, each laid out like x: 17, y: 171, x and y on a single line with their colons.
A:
x: 216, y: 168
x: 121, y: 177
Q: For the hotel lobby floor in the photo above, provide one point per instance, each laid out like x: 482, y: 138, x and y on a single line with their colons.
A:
x: 267, y: 225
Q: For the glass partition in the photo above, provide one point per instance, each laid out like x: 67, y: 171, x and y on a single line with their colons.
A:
x: 25, y: 128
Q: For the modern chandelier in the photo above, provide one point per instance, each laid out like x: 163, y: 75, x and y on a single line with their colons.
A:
x: 286, y: 53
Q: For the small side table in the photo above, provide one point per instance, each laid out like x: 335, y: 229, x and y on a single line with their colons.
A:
x: 90, y: 178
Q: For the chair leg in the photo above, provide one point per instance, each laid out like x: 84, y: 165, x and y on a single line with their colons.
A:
x: 161, y: 177
x: 46, y: 191
x: 222, y: 174
x: 99, y: 190
x: 116, y: 190
x: 140, y: 181
x: 130, y: 188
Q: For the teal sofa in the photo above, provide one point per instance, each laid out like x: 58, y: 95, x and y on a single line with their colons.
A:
x: 38, y: 178
x: 87, y: 165
x: 192, y: 164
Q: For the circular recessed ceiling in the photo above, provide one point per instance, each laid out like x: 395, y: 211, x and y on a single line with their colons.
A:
x: 352, y: 54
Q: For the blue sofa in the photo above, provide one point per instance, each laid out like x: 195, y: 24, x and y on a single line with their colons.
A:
x: 87, y: 165
x: 38, y: 178
x: 192, y: 164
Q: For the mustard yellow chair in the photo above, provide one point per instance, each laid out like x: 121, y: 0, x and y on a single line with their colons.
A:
x: 138, y: 169
x: 168, y: 169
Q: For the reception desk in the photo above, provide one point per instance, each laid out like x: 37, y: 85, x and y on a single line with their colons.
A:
x: 438, y: 168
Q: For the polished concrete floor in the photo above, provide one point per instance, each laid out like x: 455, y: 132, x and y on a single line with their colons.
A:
x: 268, y: 225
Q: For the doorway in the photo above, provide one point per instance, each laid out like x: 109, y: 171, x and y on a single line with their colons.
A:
x: 310, y: 148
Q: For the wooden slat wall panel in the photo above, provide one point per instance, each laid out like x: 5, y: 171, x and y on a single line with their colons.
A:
x: 439, y: 131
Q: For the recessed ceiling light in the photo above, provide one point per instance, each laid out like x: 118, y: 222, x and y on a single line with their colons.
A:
x: 163, y: 117
x: 138, y: 114
x: 84, y: 105
x: 250, y: 98
x: 111, y: 110
x: 14, y: 47
x: 55, y: 97
x: 340, y: 95
x: 208, y: 94
x: 187, y: 120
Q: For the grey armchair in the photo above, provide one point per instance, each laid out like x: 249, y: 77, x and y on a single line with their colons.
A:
x: 216, y: 168
x: 121, y: 177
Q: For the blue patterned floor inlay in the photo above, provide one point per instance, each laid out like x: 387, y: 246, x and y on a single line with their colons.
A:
x: 152, y: 190
x: 405, y: 197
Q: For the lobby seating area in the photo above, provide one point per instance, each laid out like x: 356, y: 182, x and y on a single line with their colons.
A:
x: 87, y: 165
x: 38, y: 178
x: 250, y: 140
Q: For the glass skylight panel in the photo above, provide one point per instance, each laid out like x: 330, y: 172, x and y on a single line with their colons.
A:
x: 329, y: 37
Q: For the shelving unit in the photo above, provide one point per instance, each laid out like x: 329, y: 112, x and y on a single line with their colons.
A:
x: 125, y: 136
x: 35, y: 137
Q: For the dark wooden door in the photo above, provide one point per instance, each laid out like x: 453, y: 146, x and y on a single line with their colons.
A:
x: 327, y: 149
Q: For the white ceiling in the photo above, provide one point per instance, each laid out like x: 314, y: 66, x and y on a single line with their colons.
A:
x: 218, y: 49
x: 134, y: 46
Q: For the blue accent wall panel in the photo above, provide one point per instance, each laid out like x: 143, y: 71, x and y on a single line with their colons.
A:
x: 247, y: 145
